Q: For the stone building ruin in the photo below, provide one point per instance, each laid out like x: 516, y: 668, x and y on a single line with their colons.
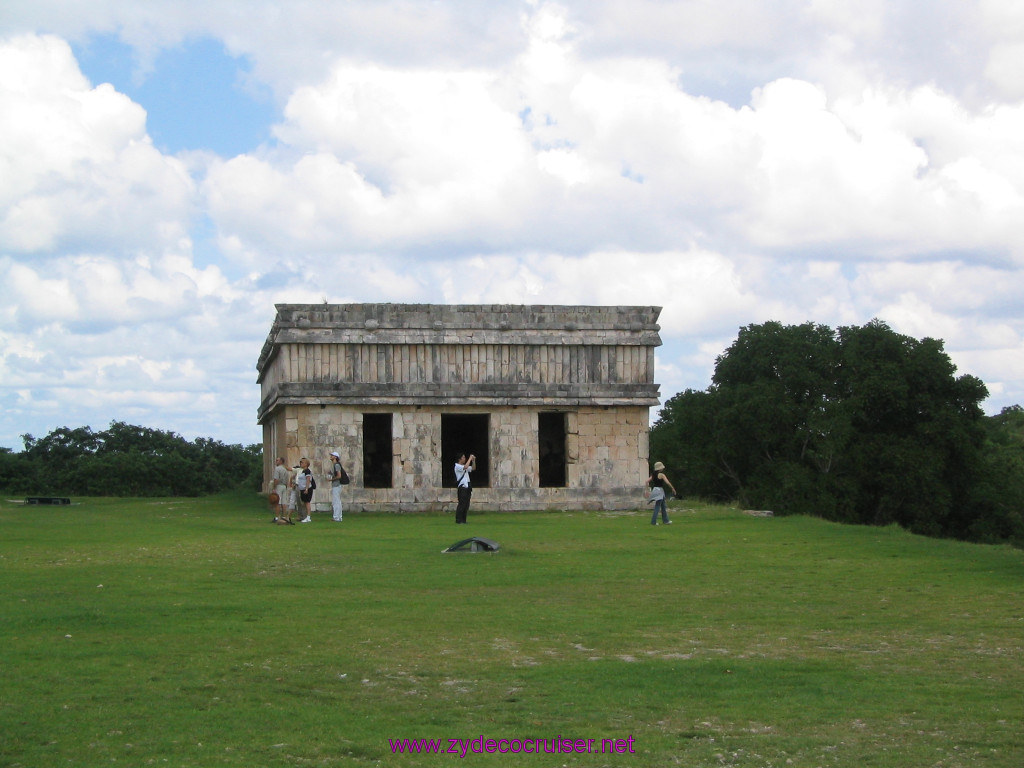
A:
x: 553, y: 400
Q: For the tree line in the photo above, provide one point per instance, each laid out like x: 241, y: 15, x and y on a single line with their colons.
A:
x: 127, y: 460
x: 855, y: 424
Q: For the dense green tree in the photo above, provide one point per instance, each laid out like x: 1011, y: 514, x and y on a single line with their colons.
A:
x: 127, y: 460
x: 62, y: 444
x: 859, y: 424
x: 14, y: 468
x: 916, y: 431
x: 999, y: 494
x: 684, y: 415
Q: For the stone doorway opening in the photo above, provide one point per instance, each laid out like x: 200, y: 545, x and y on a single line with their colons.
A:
x: 465, y: 433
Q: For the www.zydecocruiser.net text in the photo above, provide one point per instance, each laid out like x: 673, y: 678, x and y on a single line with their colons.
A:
x: 558, y: 745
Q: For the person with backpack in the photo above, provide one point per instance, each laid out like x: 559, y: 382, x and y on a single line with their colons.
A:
x: 338, y: 478
x: 305, y: 484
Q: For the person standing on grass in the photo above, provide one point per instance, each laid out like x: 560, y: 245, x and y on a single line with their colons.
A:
x: 291, y: 500
x: 463, y: 467
x: 658, y: 481
x: 337, y: 473
x: 280, y: 484
x: 305, y: 483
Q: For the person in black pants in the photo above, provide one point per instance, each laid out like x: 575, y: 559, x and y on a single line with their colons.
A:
x: 463, y: 467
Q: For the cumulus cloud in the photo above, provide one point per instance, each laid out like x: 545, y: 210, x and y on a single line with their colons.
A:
x: 79, y: 169
x: 106, y: 310
x: 558, y: 149
x: 1003, y: 20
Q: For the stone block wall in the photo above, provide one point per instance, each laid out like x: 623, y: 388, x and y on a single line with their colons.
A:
x: 606, y: 458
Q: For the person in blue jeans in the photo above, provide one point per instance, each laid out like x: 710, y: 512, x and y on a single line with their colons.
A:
x: 658, y: 481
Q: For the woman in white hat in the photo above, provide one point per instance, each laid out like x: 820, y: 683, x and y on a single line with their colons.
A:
x: 658, y: 481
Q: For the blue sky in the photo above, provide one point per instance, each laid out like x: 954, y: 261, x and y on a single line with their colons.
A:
x: 196, y: 95
x: 171, y: 170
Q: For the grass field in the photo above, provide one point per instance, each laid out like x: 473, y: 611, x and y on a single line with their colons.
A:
x: 194, y: 633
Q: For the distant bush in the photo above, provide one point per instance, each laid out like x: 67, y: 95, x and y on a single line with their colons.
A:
x: 127, y: 460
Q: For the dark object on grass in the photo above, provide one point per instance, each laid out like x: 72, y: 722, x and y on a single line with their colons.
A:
x: 56, y: 500
x: 474, y: 544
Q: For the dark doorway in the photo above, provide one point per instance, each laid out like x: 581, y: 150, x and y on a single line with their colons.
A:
x: 551, y: 449
x: 377, y: 450
x: 465, y: 433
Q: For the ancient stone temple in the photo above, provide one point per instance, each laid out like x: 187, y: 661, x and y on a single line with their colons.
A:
x: 553, y: 400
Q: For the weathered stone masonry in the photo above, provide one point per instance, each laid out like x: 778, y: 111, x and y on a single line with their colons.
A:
x: 553, y: 399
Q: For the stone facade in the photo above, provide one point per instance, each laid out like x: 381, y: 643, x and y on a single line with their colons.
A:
x: 554, y: 400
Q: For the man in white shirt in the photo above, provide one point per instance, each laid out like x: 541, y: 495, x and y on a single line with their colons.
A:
x: 463, y: 467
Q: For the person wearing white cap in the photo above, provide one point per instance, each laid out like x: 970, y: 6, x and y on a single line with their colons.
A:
x: 337, y: 473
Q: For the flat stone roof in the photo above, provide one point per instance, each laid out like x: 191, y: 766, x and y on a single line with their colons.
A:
x: 461, y: 324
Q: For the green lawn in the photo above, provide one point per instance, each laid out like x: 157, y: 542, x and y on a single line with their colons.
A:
x: 195, y: 633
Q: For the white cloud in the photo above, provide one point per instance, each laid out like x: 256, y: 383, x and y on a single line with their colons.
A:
x: 105, y: 310
x: 915, y: 317
x: 421, y: 128
x: 691, y: 27
x: 78, y: 167
x: 1004, y: 67
x: 1004, y: 21
x: 555, y: 148
x: 91, y: 292
x: 959, y: 287
x: 888, y: 169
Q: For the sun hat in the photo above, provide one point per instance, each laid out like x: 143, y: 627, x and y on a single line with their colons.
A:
x: 658, y: 466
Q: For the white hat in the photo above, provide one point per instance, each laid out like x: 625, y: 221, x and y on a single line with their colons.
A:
x: 335, y: 454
